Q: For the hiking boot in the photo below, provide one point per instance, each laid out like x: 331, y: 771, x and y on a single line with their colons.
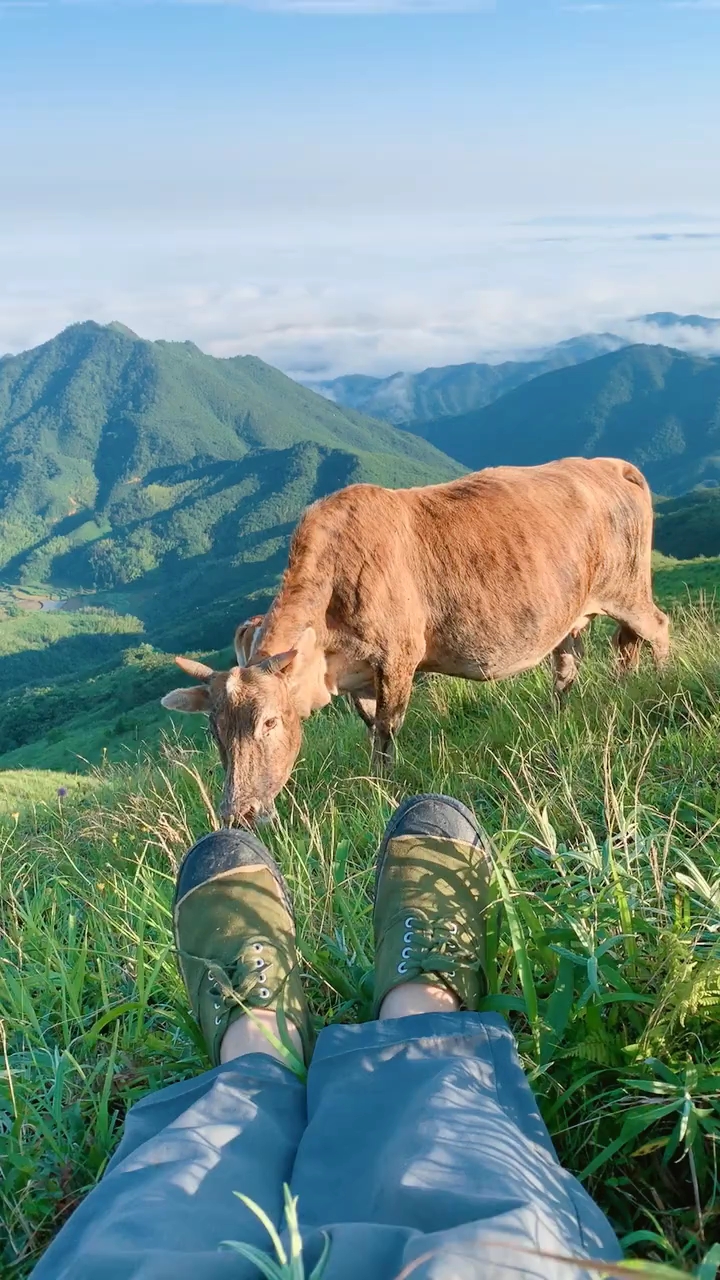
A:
x: 431, y: 892
x: 235, y: 937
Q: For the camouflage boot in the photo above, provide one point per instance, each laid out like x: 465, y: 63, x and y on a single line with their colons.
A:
x: 235, y: 937
x: 431, y: 892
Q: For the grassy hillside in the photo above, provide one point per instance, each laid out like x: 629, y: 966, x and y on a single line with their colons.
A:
x: 604, y: 937
x: 42, y: 648
x: 657, y: 407
x: 414, y: 398
x: 680, y: 581
x: 152, y: 468
x: 83, y: 690
x: 90, y: 714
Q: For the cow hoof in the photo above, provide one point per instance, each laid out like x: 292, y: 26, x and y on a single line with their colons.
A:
x: 560, y: 699
x: 383, y: 757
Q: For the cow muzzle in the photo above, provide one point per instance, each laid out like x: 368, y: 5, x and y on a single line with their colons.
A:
x: 252, y: 814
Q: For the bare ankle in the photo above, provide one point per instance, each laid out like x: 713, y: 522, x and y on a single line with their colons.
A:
x: 418, y: 997
x: 252, y: 1034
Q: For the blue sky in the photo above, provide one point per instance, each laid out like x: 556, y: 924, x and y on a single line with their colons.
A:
x: 367, y: 187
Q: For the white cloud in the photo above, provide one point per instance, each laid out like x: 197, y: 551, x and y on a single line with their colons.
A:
x: 683, y: 337
x: 319, y: 296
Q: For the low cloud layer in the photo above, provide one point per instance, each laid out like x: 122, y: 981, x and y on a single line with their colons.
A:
x: 320, y: 298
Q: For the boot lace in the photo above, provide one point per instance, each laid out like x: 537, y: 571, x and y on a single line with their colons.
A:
x: 431, y: 946
x: 243, y: 982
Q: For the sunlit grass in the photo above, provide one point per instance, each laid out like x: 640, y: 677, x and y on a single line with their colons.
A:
x: 605, y: 935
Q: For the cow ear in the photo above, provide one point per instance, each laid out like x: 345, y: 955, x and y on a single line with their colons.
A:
x: 238, y: 645
x: 246, y: 637
x: 195, y: 699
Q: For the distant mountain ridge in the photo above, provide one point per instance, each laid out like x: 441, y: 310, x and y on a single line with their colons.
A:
x: 149, y: 465
x: 658, y: 407
x: 406, y: 399
x: 671, y: 320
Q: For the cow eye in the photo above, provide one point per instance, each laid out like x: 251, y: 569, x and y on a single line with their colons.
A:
x: 270, y: 723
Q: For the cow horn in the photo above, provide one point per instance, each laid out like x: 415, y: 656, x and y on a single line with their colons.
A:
x: 198, y: 670
x: 275, y: 663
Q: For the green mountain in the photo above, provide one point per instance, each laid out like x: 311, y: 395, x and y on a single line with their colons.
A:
x: 411, y: 398
x: 689, y: 526
x: 655, y: 406
x: 153, y: 470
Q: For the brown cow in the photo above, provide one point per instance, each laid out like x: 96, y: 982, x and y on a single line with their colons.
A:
x: 483, y: 577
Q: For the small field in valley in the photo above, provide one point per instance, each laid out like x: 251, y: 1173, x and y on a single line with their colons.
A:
x: 603, y: 946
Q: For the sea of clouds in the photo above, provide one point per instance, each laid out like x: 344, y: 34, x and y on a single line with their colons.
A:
x: 320, y: 296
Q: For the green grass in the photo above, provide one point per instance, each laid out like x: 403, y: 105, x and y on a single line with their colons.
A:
x: 38, y: 789
x: 605, y: 934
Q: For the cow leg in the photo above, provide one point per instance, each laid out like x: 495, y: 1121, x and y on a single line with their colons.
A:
x: 649, y: 624
x: 627, y: 644
x: 393, y: 685
x: 366, y: 709
x: 565, y: 664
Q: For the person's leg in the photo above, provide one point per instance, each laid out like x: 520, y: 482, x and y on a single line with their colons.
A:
x: 440, y: 1160
x: 166, y: 1202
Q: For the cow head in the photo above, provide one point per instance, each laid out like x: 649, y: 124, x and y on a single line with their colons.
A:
x: 255, y: 715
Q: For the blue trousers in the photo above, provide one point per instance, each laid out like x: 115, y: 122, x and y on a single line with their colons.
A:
x: 416, y: 1145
